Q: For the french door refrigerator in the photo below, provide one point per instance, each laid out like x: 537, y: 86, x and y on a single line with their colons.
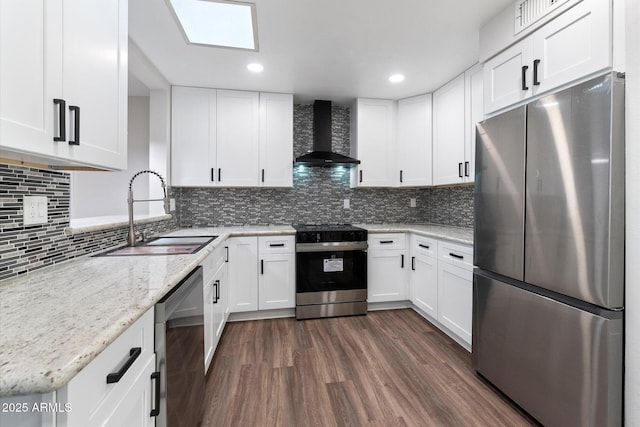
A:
x: 549, y: 254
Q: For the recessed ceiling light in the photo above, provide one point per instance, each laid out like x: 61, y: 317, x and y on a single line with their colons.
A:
x: 256, y: 68
x: 217, y: 23
x: 396, y: 78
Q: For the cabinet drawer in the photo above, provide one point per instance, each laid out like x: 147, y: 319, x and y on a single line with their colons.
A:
x: 390, y: 241
x: 425, y: 246
x: 213, y: 262
x: 276, y: 244
x: 89, y: 389
x: 456, y: 254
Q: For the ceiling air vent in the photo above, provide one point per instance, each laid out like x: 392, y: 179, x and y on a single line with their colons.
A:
x: 528, y: 12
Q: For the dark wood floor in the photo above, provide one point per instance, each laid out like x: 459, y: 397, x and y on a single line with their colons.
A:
x: 389, y: 368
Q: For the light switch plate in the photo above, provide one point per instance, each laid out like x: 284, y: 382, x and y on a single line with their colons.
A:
x: 172, y: 205
x: 412, y: 202
x: 347, y: 204
x: 35, y: 210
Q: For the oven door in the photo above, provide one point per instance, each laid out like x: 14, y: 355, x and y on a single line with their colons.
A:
x: 330, y: 269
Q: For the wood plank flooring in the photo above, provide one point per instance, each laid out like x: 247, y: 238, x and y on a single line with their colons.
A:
x: 389, y: 368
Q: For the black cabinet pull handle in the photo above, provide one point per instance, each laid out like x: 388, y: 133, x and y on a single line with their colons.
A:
x: 402, y: 261
x: 219, y: 174
x: 524, y: 77
x: 62, y: 128
x: 76, y: 125
x: 360, y: 176
x: 276, y: 245
x: 385, y: 242
x: 456, y: 255
x: 217, y: 291
x: 460, y: 170
x: 214, y: 299
x: 423, y: 246
x: 114, y: 377
x: 466, y: 168
x: 226, y: 248
x: 261, y: 266
x: 400, y: 176
x: 156, y: 398
x: 413, y: 263
x: 213, y: 176
x: 536, y: 62
x: 262, y: 175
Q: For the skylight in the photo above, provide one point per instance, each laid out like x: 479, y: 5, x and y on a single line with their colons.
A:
x: 217, y: 22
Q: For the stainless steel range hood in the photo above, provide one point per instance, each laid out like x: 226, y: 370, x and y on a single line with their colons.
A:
x: 322, y: 155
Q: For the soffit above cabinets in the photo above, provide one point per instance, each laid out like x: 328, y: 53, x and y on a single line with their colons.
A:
x: 325, y: 50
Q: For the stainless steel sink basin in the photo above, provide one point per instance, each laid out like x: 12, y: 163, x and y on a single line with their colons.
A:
x: 179, y: 245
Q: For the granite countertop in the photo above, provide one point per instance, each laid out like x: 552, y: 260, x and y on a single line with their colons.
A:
x: 56, y: 320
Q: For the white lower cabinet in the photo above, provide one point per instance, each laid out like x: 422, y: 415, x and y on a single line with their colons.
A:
x: 262, y: 273
x: 128, y: 400
x: 423, y: 280
x: 243, y: 273
x: 277, y: 281
x: 455, y: 288
x: 386, y: 268
x: 216, y: 301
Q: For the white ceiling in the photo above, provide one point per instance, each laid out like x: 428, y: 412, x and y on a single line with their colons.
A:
x: 326, y: 49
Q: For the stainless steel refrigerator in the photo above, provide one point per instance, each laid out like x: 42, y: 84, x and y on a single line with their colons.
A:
x: 549, y: 254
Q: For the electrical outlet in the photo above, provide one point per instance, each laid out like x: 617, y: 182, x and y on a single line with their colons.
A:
x: 347, y: 204
x: 172, y: 205
x: 34, y: 210
x: 412, y: 202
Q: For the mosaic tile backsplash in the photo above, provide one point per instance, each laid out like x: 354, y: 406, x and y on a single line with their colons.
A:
x: 27, y: 248
x: 318, y: 194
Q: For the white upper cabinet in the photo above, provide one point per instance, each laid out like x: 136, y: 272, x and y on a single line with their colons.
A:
x: 193, y: 136
x: 372, y: 142
x: 414, y: 141
x: 276, y: 140
x: 238, y: 121
x: 231, y: 138
x: 63, y: 82
x: 575, y: 44
x: 449, y: 132
x: 457, y: 107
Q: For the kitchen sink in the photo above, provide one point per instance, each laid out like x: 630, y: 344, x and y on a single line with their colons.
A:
x: 178, y: 245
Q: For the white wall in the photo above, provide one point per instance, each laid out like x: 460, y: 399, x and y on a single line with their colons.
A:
x: 632, y: 279
x: 105, y: 193
x: 159, y: 136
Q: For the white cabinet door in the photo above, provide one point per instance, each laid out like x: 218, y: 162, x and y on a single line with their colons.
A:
x: 386, y: 274
x: 276, y: 140
x: 575, y: 44
x: 134, y: 407
x: 474, y: 113
x: 277, y: 281
x: 29, y: 77
x: 449, y: 132
x: 455, y: 299
x: 95, y: 70
x: 193, y: 136
x: 503, y: 77
x: 372, y: 142
x: 209, y: 322
x: 237, y: 142
x: 423, y: 282
x: 414, y: 141
x: 243, y: 274
x: 74, y: 51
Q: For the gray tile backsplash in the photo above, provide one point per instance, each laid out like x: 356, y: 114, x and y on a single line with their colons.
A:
x: 317, y: 196
x: 27, y: 248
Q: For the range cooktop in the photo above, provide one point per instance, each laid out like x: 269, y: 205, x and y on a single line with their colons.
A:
x: 315, y: 233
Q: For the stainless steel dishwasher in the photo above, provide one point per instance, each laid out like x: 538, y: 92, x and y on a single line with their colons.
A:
x: 179, y: 338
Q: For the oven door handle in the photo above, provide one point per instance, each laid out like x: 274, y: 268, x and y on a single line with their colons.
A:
x: 331, y: 246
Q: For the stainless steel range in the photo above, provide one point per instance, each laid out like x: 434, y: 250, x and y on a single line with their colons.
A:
x: 331, y: 270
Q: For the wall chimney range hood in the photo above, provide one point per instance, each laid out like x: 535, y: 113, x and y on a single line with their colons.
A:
x: 322, y: 155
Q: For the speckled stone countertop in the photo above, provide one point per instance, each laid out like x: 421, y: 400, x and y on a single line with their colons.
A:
x: 56, y: 320
x: 452, y: 234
